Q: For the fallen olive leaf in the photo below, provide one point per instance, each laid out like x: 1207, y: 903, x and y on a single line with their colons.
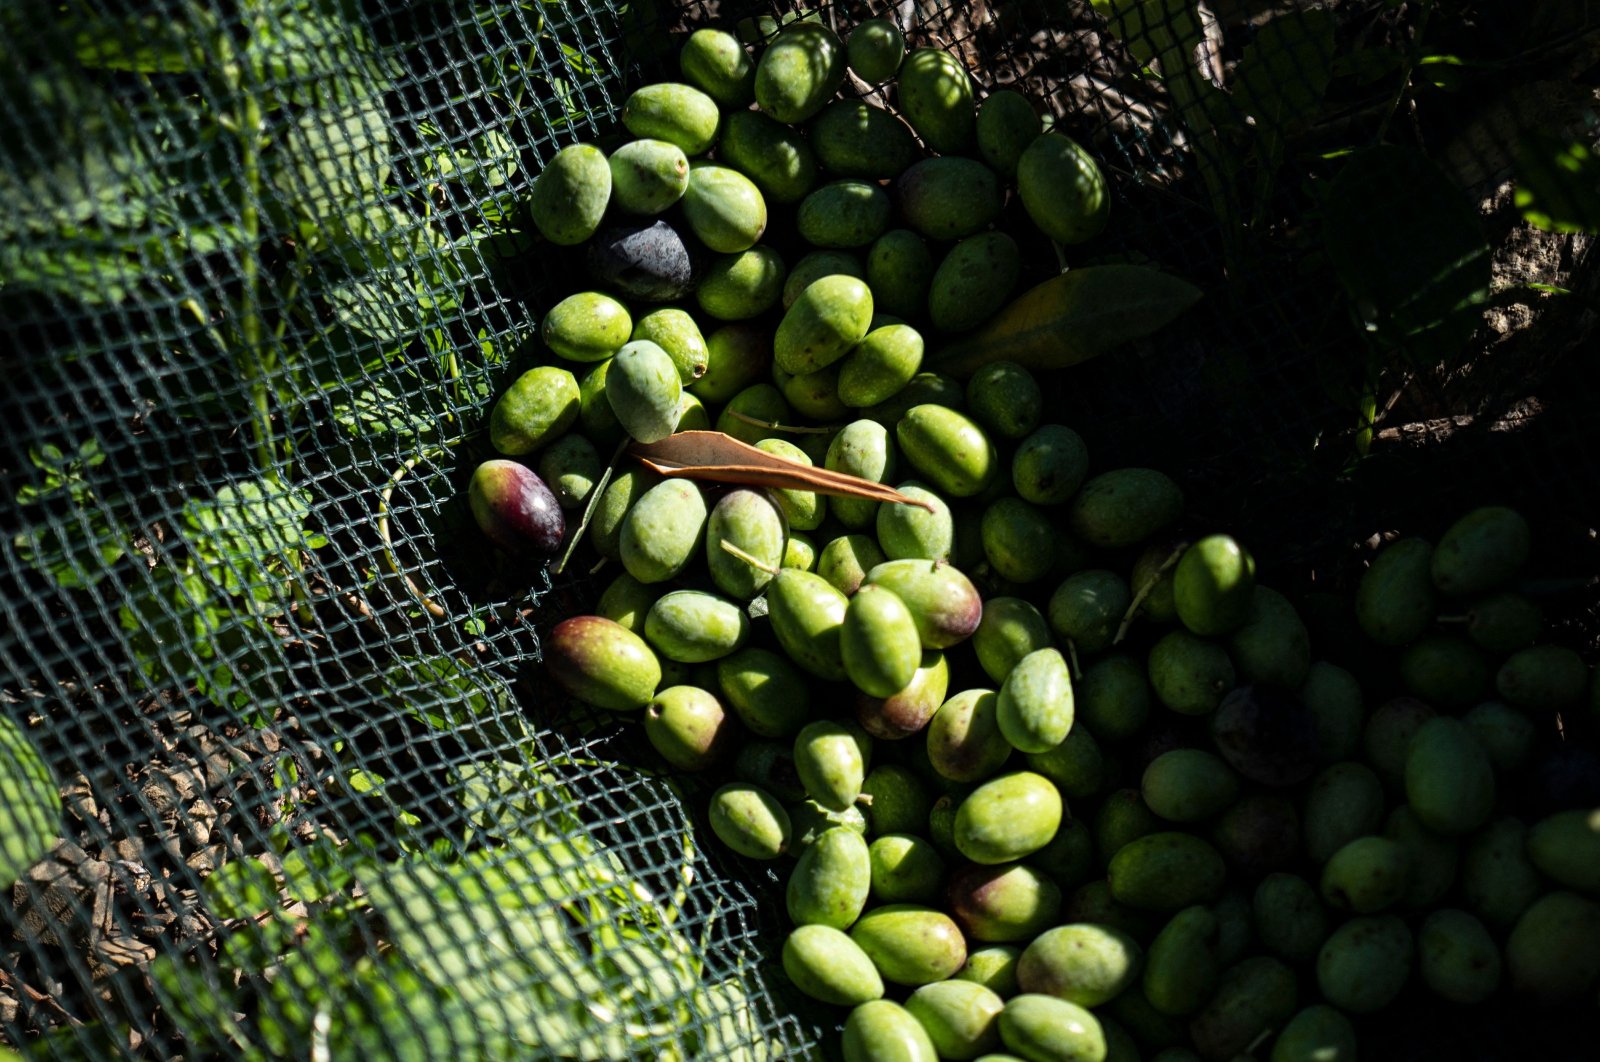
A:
x: 711, y: 455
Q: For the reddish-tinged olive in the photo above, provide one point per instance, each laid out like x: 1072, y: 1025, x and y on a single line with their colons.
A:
x: 944, y: 604
x: 893, y: 718
x: 965, y: 743
x: 602, y: 663
x: 689, y: 727
x: 515, y: 509
x: 995, y: 904
x: 907, y: 712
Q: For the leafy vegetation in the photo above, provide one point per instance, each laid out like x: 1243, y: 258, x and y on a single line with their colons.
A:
x: 1560, y: 183
x: 244, y: 169
x: 1408, y: 248
x: 1358, y: 145
x: 212, y: 611
x: 30, y: 807
x: 498, y: 928
x: 74, y: 552
x: 540, y: 942
x: 262, y: 218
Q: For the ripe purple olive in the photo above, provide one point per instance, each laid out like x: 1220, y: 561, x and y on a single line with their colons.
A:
x: 648, y: 262
x: 1266, y: 735
x: 515, y: 509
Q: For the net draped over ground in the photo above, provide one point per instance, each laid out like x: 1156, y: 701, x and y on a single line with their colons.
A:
x: 263, y: 269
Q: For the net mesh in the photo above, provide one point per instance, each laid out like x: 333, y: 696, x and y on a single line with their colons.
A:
x: 263, y: 268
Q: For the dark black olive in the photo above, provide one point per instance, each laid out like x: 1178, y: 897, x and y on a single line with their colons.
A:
x: 649, y: 262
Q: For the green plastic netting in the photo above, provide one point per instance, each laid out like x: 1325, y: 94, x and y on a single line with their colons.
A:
x: 263, y: 269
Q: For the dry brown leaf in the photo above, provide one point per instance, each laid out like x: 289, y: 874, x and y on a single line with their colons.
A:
x: 720, y: 458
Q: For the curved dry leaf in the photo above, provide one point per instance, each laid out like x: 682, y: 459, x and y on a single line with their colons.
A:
x: 720, y: 458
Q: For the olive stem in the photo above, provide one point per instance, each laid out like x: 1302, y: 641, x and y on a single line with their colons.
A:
x: 1413, y: 57
x: 389, y: 560
x: 680, y: 895
x: 1367, y: 419
x: 747, y: 558
x: 1072, y: 655
x: 772, y: 425
x: 711, y: 921
x: 588, y: 510
x: 251, y: 358
x: 533, y: 53
x: 1556, y: 587
x: 1144, y: 592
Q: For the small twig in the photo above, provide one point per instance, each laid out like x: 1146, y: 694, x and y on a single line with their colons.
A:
x: 1072, y: 657
x: 1440, y: 429
x: 772, y: 425
x: 360, y: 608
x: 50, y: 1002
x: 711, y: 921
x: 1144, y: 592
x: 1413, y: 57
x: 1394, y: 398
x: 680, y: 895
x: 1262, y: 1037
x: 588, y: 510
x: 1556, y: 586
x: 754, y: 562
x: 393, y: 565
